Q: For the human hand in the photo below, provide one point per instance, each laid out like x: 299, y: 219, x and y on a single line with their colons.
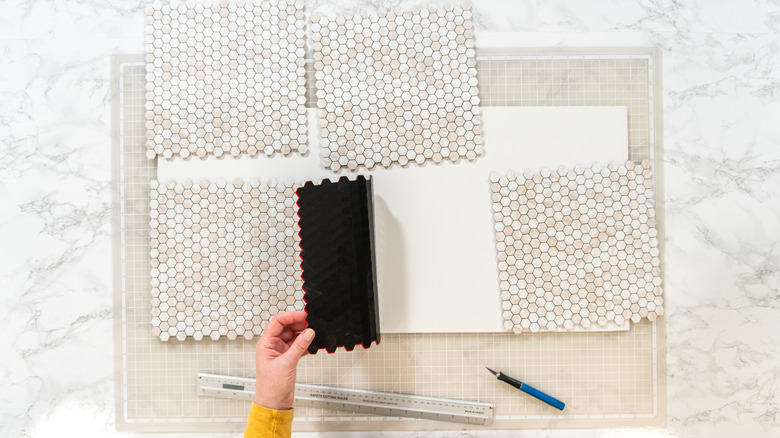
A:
x: 284, y: 341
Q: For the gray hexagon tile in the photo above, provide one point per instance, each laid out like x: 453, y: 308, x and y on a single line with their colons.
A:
x: 224, y: 257
x: 397, y: 86
x: 577, y: 247
x: 226, y: 78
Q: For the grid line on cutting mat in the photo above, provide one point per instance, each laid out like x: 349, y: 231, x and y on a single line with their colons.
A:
x: 606, y: 379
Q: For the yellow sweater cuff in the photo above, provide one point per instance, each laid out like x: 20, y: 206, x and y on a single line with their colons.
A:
x: 268, y: 423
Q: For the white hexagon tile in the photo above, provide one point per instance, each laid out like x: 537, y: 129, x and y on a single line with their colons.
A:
x: 224, y: 257
x: 396, y: 86
x: 577, y: 247
x: 226, y: 78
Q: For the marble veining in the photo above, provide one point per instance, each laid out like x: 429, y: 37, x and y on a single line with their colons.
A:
x: 722, y: 196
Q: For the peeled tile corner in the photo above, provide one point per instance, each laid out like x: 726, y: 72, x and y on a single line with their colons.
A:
x: 577, y: 247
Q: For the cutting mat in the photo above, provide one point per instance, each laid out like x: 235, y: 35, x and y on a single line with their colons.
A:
x: 606, y: 379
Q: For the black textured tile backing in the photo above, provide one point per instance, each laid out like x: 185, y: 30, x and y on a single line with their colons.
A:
x: 338, y: 263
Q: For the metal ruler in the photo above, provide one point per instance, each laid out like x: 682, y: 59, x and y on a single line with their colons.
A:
x: 356, y: 400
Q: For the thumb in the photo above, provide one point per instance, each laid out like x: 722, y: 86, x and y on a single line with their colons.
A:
x: 301, y: 344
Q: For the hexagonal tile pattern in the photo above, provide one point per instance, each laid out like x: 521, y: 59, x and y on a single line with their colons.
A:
x: 224, y: 257
x: 226, y: 78
x: 397, y: 87
x: 577, y: 247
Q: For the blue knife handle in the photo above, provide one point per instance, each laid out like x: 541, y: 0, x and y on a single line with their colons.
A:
x: 552, y: 401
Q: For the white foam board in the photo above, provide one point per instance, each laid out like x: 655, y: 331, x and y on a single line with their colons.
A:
x: 436, y: 261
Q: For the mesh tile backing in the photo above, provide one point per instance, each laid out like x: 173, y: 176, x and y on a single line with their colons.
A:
x: 397, y: 87
x: 577, y: 247
x: 224, y: 257
x: 226, y: 79
x: 339, y: 263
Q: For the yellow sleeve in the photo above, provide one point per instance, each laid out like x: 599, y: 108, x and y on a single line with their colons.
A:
x: 268, y: 423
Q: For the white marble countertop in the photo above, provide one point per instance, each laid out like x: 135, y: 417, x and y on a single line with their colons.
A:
x: 721, y: 77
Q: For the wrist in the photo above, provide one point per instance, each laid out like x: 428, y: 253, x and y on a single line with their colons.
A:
x: 271, y: 403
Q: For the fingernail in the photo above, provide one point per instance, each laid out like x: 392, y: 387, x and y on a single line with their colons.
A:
x: 308, y: 334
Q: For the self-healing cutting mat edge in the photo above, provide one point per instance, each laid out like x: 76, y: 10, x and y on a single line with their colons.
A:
x: 606, y: 379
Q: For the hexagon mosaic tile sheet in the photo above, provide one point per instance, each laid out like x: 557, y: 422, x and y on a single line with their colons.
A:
x: 397, y: 87
x: 226, y: 78
x: 224, y: 257
x: 577, y: 247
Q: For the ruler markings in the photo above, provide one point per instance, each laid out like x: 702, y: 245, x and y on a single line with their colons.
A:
x: 356, y: 400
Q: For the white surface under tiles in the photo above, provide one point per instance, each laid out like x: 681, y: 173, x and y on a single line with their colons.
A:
x: 721, y: 166
x: 226, y: 79
x: 423, y: 261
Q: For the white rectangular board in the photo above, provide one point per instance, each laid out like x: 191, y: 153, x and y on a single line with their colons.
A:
x: 436, y: 259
